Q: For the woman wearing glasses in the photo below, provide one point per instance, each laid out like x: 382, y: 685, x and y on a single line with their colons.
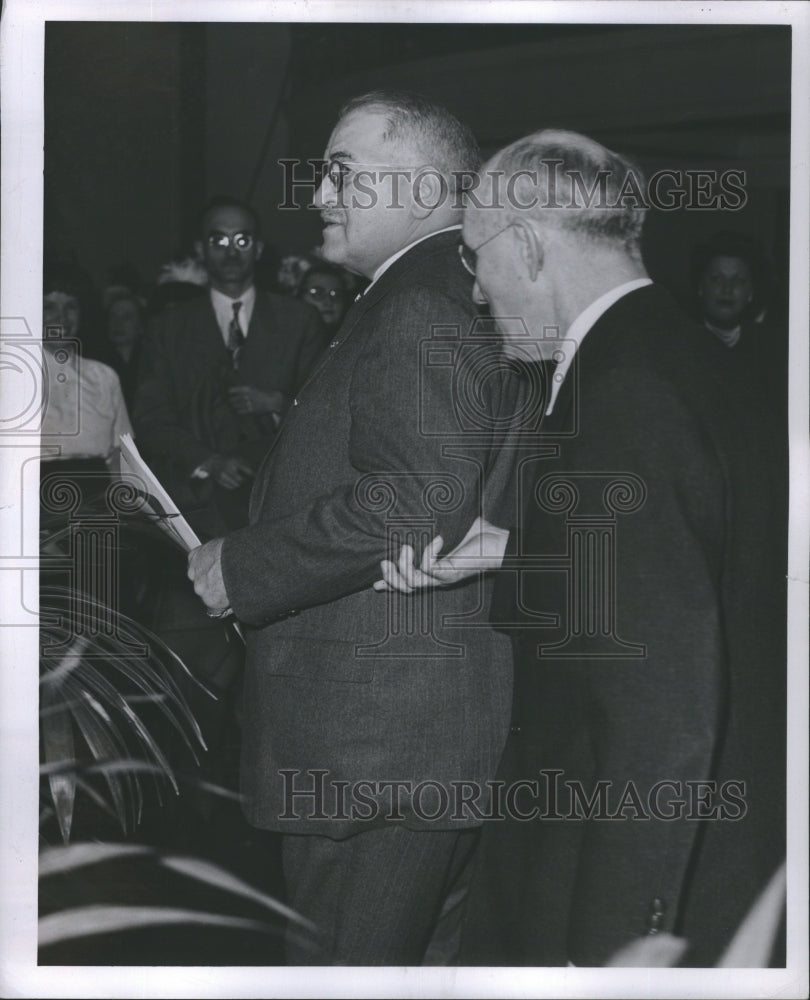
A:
x: 325, y: 288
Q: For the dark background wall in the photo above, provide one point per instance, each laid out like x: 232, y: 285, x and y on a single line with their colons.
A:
x: 144, y: 121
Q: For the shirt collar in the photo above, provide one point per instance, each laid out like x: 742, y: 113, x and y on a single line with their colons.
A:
x: 728, y: 337
x: 401, y: 253
x: 582, y: 325
x: 223, y: 309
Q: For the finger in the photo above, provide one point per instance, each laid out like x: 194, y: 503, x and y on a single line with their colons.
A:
x: 430, y: 554
x: 393, y: 578
x: 380, y: 585
x: 405, y: 567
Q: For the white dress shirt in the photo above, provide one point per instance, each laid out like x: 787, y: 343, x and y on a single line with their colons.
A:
x: 223, y: 309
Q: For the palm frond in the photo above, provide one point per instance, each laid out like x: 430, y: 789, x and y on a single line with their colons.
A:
x: 95, y: 688
x: 59, y: 860
x: 57, y: 745
x: 211, y: 874
x: 105, y: 918
x: 83, y: 921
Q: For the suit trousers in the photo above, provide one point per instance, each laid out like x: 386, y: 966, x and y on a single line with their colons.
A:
x: 376, y: 897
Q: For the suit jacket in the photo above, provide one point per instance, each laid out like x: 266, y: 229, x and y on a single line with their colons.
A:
x: 181, y: 414
x: 378, y: 448
x: 669, y: 666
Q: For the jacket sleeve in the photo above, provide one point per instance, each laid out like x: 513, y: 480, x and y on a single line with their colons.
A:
x: 336, y: 543
x: 156, y: 415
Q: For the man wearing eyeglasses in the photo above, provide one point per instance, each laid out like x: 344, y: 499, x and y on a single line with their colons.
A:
x: 643, y: 586
x: 219, y: 374
x: 360, y: 714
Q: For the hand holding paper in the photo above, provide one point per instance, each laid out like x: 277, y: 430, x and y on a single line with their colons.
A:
x: 205, y: 572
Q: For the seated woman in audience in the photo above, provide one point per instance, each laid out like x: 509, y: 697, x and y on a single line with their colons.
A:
x: 84, y: 413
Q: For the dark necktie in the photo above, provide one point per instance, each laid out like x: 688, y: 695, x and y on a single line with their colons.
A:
x: 235, y: 336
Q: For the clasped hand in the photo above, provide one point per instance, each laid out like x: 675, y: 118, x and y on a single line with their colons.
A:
x: 481, y: 549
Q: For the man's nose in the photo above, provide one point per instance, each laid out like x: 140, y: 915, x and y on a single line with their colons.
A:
x: 326, y: 195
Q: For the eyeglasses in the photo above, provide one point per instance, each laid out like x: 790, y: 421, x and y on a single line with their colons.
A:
x: 469, y: 255
x: 321, y: 294
x: 338, y: 170
x: 239, y: 241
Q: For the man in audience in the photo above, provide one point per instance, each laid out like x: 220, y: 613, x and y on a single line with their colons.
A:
x: 340, y: 689
x: 644, y: 588
x: 219, y: 373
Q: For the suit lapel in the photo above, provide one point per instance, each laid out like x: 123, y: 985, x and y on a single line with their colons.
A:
x: 390, y: 280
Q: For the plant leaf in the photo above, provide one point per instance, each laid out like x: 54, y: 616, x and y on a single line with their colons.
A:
x: 211, y: 874
x: 67, y: 664
x: 57, y: 744
x: 56, y: 860
x: 103, y: 747
x: 83, y: 921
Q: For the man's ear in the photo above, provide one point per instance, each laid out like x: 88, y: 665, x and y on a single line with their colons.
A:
x: 430, y: 190
x: 259, y: 248
x: 531, y: 248
x: 198, y: 249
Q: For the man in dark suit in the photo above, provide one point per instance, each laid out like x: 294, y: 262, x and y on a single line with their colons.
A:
x: 348, y: 703
x: 643, y: 583
x: 219, y: 373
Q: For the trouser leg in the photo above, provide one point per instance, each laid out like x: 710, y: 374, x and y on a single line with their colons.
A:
x: 376, y: 896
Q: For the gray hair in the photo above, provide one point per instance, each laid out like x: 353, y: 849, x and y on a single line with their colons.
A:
x: 446, y: 143
x: 579, y: 185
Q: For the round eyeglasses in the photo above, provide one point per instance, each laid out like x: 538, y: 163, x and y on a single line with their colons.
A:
x: 322, y: 294
x: 336, y: 171
x: 222, y: 241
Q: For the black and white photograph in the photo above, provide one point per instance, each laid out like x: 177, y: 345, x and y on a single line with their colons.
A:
x: 404, y: 471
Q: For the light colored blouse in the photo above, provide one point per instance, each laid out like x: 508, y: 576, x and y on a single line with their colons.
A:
x: 84, y: 410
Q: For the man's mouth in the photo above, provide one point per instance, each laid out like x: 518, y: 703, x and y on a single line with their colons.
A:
x: 331, y: 220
